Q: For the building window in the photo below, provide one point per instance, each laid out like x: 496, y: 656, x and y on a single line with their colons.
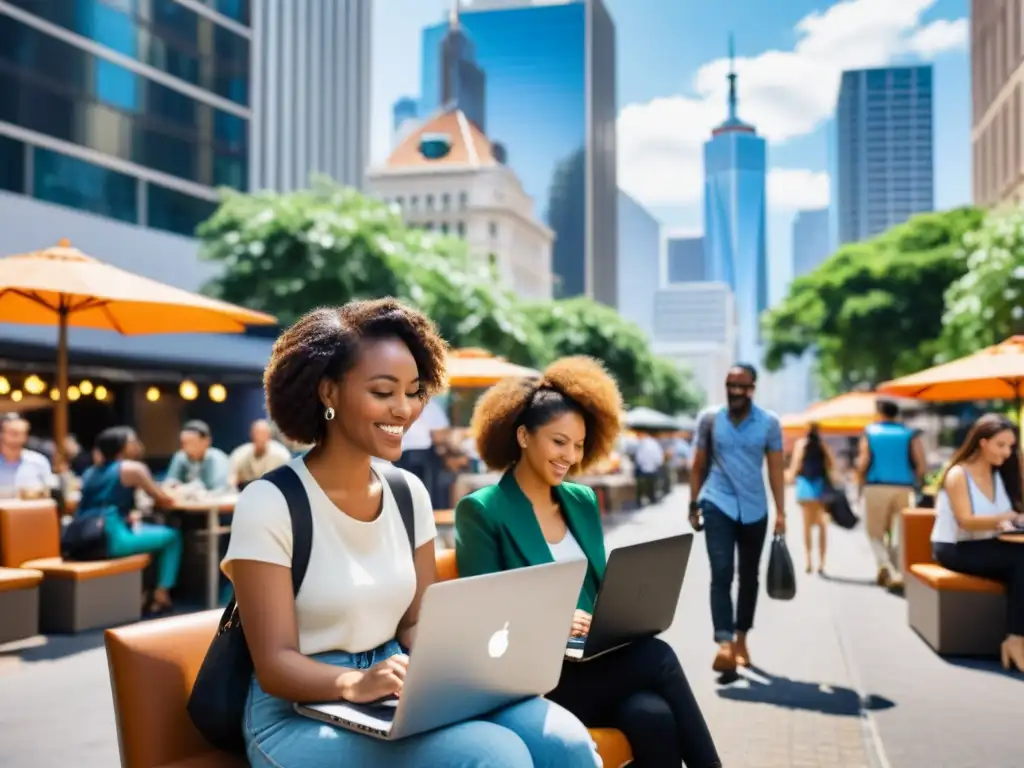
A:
x: 444, y: 227
x: 429, y: 202
x: 69, y: 181
x: 163, y: 34
x: 460, y: 228
x: 12, y: 165
x: 446, y: 201
x: 233, y: 9
x: 175, y: 211
x: 463, y: 201
x: 492, y: 228
x: 414, y: 202
x: 61, y: 91
x: 429, y: 226
x: 400, y: 201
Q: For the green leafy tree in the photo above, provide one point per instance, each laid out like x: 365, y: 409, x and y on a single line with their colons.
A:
x: 873, y: 310
x: 986, y: 304
x: 671, y: 389
x: 288, y: 253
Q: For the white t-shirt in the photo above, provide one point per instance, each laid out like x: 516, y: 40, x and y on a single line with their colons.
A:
x: 361, y: 578
x: 567, y: 549
x: 246, y: 466
x: 417, y: 437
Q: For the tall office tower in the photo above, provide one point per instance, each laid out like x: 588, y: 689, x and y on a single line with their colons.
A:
x: 734, y: 219
x: 311, y: 92
x: 132, y: 115
x: 884, y: 150
x: 640, y: 247
x: 550, y: 74
x: 684, y: 260
x: 997, y: 53
x: 810, y: 240
x: 462, y: 81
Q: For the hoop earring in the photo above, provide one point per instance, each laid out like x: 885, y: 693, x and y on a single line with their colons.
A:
x: 329, y: 413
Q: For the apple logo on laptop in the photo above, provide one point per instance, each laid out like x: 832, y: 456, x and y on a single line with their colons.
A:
x: 498, y: 643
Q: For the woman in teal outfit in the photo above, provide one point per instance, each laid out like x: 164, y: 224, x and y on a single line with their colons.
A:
x: 108, y: 489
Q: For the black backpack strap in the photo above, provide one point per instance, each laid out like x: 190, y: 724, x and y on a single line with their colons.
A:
x: 290, y: 484
x: 395, y: 478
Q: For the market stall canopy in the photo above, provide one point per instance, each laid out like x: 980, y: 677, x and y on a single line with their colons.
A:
x: 994, y: 373
x: 475, y: 368
x: 64, y: 287
x: 648, y: 419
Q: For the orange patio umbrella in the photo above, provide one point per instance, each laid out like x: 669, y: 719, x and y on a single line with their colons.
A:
x: 994, y: 373
x: 63, y: 286
x: 847, y: 413
x: 473, y: 368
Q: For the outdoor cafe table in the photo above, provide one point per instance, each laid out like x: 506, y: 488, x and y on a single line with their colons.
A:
x: 212, y: 507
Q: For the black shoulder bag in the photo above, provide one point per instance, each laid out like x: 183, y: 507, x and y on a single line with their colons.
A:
x: 217, y: 702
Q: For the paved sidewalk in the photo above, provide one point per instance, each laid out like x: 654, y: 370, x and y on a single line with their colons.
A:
x: 797, y: 708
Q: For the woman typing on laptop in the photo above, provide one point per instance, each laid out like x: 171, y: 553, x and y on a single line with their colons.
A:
x: 349, y: 381
x: 539, y: 430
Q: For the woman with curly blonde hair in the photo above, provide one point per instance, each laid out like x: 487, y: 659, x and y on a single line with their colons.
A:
x: 538, y: 431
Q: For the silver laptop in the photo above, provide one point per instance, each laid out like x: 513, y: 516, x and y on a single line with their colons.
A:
x: 482, y: 642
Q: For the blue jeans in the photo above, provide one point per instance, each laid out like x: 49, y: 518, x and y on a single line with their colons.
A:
x: 535, y: 732
x: 731, y: 544
x: 161, y: 541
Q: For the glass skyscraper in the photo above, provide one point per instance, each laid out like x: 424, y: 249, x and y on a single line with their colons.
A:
x: 640, y: 254
x: 684, y: 257
x: 462, y: 81
x: 884, y: 151
x: 133, y: 111
x: 734, y: 220
x: 811, y: 243
x: 550, y: 101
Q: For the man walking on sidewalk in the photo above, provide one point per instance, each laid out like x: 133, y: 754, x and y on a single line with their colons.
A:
x: 728, y: 500
x: 890, y: 463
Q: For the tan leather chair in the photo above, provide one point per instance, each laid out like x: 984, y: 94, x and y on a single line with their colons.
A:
x: 152, y: 668
x: 19, y: 603
x: 73, y: 596
x: 612, y: 744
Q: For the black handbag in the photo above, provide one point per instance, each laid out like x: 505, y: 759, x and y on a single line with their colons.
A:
x: 781, y: 576
x: 85, y: 537
x: 838, y: 507
x: 217, y: 702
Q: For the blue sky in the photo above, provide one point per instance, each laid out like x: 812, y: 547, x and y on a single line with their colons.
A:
x: 671, y: 90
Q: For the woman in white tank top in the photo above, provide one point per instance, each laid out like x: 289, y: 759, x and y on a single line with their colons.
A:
x: 979, y: 499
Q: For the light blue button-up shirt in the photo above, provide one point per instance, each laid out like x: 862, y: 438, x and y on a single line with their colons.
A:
x: 32, y: 470
x: 735, y: 483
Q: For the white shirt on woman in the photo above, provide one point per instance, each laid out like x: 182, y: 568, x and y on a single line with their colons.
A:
x: 361, y: 578
x: 567, y: 549
x: 948, y: 531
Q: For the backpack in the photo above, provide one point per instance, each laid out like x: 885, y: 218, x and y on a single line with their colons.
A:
x: 217, y: 702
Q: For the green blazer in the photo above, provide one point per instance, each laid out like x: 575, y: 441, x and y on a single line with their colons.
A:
x: 496, y: 530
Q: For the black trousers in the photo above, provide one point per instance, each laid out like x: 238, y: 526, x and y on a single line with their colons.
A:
x: 641, y: 690
x: 991, y: 559
x: 734, y: 548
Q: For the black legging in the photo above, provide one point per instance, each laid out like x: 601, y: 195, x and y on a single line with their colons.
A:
x: 991, y: 559
x: 641, y: 690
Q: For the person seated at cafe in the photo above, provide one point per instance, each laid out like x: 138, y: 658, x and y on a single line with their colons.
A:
x: 108, y: 489
x: 198, y: 460
x: 649, y: 459
x: 539, y: 430
x: 22, y: 469
x: 250, y: 461
x: 981, y: 498
x: 350, y: 381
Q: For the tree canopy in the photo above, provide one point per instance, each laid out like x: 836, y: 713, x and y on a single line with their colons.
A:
x: 287, y: 253
x: 873, y: 310
x: 986, y: 304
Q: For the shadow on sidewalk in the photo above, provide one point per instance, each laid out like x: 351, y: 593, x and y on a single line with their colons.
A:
x: 51, y: 647
x: 857, y: 582
x: 983, y: 664
x: 754, y: 685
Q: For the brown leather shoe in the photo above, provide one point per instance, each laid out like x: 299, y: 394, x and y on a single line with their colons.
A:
x: 725, y: 660
x: 739, y: 651
x: 882, y: 579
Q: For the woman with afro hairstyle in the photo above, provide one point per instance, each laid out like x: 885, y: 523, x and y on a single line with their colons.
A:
x: 349, y: 381
x: 538, y: 431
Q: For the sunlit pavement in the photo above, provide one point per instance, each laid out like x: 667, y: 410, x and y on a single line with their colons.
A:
x: 840, y: 680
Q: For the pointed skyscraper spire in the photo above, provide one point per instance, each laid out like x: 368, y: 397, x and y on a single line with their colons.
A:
x: 732, y: 78
x: 453, y: 15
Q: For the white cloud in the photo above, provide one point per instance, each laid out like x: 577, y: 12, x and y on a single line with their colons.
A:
x: 786, y: 94
x: 797, y: 189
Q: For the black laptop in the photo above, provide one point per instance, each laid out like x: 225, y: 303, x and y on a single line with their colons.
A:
x: 638, y: 596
